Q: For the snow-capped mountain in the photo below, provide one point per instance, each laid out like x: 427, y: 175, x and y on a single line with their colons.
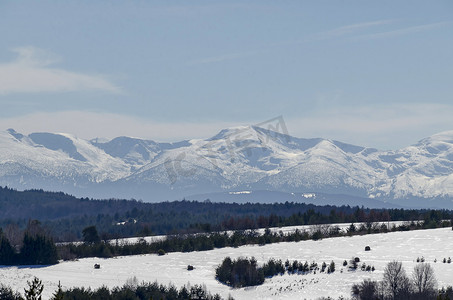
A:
x: 236, y: 159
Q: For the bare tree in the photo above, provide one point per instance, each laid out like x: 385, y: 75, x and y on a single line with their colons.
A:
x: 323, y: 229
x: 14, y: 235
x: 395, y: 280
x: 34, y: 228
x: 424, y: 280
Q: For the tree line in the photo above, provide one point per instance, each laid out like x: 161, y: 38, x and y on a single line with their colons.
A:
x: 94, y: 247
x: 132, y: 290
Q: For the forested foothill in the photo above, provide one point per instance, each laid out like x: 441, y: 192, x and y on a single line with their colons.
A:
x: 64, y: 217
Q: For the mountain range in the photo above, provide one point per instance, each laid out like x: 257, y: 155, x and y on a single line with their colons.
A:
x: 237, y: 162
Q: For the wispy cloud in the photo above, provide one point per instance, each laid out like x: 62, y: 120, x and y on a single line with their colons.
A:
x: 403, y: 31
x: 31, y: 72
x: 334, y: 33
x: 351, y: 28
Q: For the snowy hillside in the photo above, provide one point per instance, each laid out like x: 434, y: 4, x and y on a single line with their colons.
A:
x: 236, y: 159
x: 433, y: 244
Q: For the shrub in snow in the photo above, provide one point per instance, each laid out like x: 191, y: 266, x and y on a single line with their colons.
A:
x: 323, y: 266
x: 331, y: 268
x: 353, y: 264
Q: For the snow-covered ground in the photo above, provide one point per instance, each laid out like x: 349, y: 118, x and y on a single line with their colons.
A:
x: 171, y: 268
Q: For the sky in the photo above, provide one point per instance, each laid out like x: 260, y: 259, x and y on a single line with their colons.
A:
x: 371, y: 73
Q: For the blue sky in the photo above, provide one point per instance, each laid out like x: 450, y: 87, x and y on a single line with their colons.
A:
x: 374, y: 73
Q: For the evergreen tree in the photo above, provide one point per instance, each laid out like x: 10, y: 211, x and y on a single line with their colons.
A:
x: 7, y: 253
x: 58, y: 294
x: 90, y: 235
x: 34, y: 290
x: 331, y: 267
x: 6, y: 293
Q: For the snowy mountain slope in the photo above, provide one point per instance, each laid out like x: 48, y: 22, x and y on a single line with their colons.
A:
x: 424, y: 169
x: 239, y: 158
x: 133, y: 151
x: 57, y: 157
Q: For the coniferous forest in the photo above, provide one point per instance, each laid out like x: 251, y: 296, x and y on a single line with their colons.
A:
x: 64, y: 217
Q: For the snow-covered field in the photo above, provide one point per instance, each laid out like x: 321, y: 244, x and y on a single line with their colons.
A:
x: 285, y: 230
x: 171, y: 268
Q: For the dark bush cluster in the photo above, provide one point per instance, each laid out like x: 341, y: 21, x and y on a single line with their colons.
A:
x: 239, y: 273
x: 245, y: 272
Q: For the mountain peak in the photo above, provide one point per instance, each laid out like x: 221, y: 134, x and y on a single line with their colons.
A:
x: 445, y: 136
x: 441, y: 141
x: 231, y: 132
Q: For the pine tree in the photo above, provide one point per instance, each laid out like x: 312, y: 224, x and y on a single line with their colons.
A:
x: 332, y: 267
x: 58, y: 295
x: 6, y: 293
x: 34, y: 290
x: 7, y: 253
x: 90, y: 235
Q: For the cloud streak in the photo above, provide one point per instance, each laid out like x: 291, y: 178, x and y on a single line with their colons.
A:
x: 31, y: 72
x: 402, y: 31
x: 352, y: 28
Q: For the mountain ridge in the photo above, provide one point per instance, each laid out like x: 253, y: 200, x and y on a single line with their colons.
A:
x: 238, y: 158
